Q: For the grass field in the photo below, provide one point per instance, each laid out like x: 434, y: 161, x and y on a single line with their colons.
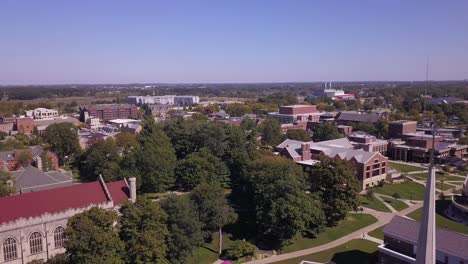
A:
x: 355, y: 251
x: 377, y: 233
x: 403, y: 167
x: 410, y: 191
x: 208, y: 253
x: 373, y: 204
x: 395, y: 203
x: 444, y: 186
x: 441, y: 220
x: 439, y: 177
x: 352, y: 223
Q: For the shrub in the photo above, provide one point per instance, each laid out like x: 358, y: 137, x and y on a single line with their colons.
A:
x: 370, y: 194
x: 239, y: 249
x: 396, y: 196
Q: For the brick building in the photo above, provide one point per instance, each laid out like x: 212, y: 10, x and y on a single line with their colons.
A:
x: 108, y: 111
x: 32, y: 225
x: 24, y: 125
x: 397, y: 129
x: 290, y: 114
x: 368, y: 142
x: 370, y: 167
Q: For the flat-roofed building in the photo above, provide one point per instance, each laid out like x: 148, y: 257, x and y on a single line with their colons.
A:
x: 295, y: 113
x: 397, y: 129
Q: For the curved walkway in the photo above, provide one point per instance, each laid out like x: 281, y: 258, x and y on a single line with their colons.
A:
x: 383, y: 219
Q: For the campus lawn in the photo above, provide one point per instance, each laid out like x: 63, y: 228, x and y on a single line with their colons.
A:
x: 410, y: 191
x: 404, y: 167
x: 441, y: 220
x: 377, y: 233
x: 373, y: 204
x: 444, y: 186
x: 208, y: 253
x: 355, y: 251
x: 439, y: 177
x: 352, y: 223
x: 395, y: 203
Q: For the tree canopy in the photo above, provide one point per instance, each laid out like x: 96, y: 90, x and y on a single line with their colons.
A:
x: 271, y: 132
x: 101, y: 158
x: 63, y: 141
x: 7, y: 186
x: 298, y: 134
x: 324, y: 132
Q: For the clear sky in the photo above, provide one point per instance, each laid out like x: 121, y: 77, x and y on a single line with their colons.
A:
x: 124, y: 41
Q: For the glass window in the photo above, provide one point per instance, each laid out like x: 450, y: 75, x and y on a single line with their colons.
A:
x: 35, y: 243
x: 59, y: 237
x: 9, y: 249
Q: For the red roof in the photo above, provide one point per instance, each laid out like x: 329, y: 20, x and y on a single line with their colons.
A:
x: 60, y: 199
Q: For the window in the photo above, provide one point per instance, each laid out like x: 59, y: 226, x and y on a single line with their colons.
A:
x: 9, y: 249
x: 59, y: 237
x: 35, y: 243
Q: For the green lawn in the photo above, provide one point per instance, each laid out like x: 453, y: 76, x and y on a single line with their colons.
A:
x: 395, y: 203
x: 355, y: 251
x: 410, y: 191
x: 444, y: 187
x: 377, y: 233
x: 373, y: 204
x: 403, y: 167
x: 352, y: 223
x: 439, y: 177
x: 208, y: 253
x: 441, y: 220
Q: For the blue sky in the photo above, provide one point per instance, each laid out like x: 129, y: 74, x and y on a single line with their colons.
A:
x: 118, y: 41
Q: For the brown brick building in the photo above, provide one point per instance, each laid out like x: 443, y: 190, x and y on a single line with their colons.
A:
x: 109, y: 111
x: 398, y: 128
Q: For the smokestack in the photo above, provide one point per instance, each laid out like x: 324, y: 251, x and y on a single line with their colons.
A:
x: 132, y: 188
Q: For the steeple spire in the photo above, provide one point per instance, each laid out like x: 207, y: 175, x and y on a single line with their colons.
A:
x: 427, y: 235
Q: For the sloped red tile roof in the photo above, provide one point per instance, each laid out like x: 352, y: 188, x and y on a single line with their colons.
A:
x: 52, y: 201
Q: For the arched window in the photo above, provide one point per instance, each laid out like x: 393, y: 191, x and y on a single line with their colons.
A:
x: 35, y: 242
x: 59, y: 237
x: 9, y: 249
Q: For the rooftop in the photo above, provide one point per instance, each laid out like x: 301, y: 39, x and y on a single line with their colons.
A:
x: 449, y: 242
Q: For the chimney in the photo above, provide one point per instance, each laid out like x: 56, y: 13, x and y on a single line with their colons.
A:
x: 132, y: 188
x: 305, y: 151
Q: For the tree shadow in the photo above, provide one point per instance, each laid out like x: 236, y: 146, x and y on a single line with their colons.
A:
x: 355, y: 256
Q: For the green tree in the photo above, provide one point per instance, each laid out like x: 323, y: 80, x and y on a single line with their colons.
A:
x: 155, y: 159
x: 334, y: 180
x: 126, y: 142
x: 47, y: 163
x: 271, y: 131
x: 144, y: 231
x: 280, y: 205
x: 381, y: 129
x: 92, y: 237
x: 239, y: 249
x: 184, y: 228
x: 24, y: 157
x: 213, y: 209
x: 298, y: 134
x: 201, y: 166
x: 324, y: 132
x: 7, y: 186
x: 63, y: 141
x: 101, y: 158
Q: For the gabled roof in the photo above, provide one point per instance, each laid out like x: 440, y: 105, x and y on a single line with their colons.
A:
x: 35, y: 204
x: 32, y: 179
x: 449, y: 242
x: 339, y: 142
x: 291, y: 142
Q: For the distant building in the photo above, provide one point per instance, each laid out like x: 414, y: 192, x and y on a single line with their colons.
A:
x: 42, y: 124
x: 338, y: 94
x: 368, y: 142
x: 109, y: 111
x: 179, y: 100
x: 158, y: 110
x: 290, y: 114
x: 24, y: 125
x: 32, y: 179
x: 371, y: 167
x: 397, y: 129
x: 9, y: 158
x: 446, y: 100
x: 42, y: 113
x: 32, y: 225
x: 354, y: 117
x: 401, y: 241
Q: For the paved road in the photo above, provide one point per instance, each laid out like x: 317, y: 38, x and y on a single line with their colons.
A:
x: 383, y: 219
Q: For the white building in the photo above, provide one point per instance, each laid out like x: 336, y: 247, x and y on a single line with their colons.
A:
x: 42, y: 113
x: 32, y: 225
x: 164, y: 99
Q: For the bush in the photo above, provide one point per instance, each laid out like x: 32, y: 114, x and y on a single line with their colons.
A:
x: 396, y: 196
x: 370, y: 194
x: 239, y: 249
